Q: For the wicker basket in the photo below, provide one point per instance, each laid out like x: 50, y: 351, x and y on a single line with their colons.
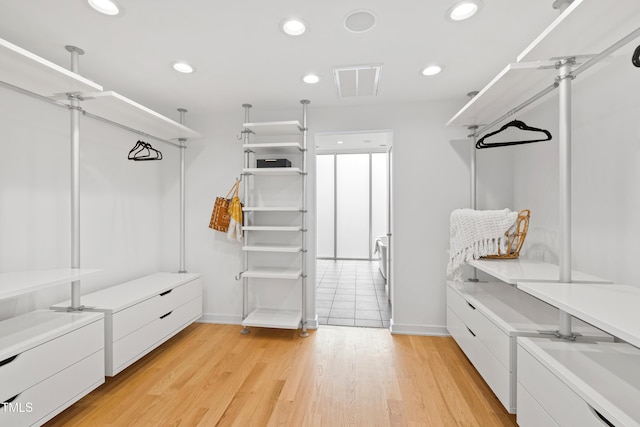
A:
x: 515, y: 237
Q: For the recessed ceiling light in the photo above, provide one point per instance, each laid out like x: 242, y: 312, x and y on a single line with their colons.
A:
x: 340, y: 142
x: 183, y: 67
x: 293, y: 27
x: 432, y: 70
x: 359, y: 21
x: 464, y: 10
x: 311, y: 78
x: 108, y: 7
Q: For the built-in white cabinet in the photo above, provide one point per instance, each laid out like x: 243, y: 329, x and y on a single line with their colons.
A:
x: 274, y: 241
x: 485, y: 319
x: 143, y: 313
x: 48, y: 361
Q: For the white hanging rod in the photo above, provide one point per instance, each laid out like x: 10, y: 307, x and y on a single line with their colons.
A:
x: 513, y: 111
x: 582, y: 68
x: 85, y: 113
x: 139, y: 132
x: 33, y: 94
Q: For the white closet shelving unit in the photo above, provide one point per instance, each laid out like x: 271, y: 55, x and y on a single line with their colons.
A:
x: 562, y: 382
x: 274, y: 139
x: 50, y: 359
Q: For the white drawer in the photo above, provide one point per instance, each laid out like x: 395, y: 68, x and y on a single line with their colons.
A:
x: 495, y: 339
x: 48, y: 398
x: 557, y: 399
x: 34, y: 365
x: 135, y: 317
x: 179, y: 295
x: 499, y: 379
x: 135, y: 345
x: 530, y: 413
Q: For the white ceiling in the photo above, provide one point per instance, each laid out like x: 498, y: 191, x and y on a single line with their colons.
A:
x: 371, y: 141
x: 242, y: 56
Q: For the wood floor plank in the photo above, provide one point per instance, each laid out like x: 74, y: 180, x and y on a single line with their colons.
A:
x: 211, y: 375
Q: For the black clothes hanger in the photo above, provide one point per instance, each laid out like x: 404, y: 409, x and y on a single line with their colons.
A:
x: 517, y: 124
x: 635, y: 59
x: 144, y: 151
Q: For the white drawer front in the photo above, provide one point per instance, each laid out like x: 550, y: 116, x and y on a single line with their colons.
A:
x: 36, y: 364
x: 137, y: 344
x: 135, y: 317
x: 494, y: 373
x: 48, y: 398
x: 557, y: 399
x: 179, y: 295
x: 530, y: 413
x: 496, y: 340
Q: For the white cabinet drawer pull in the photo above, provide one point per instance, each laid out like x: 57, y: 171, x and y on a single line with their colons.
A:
x: 470, y: 305
x: 470, y: 331
x: 602, y: 417
x: 166, y: 292
x: 8, y: 360
x: 6, y: 402
x: 165, y: 315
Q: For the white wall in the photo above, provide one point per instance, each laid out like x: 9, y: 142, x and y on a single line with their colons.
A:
x: 130, y: 209
x: 120, y: 200
x: 605, y: 179
x: 431, y: 179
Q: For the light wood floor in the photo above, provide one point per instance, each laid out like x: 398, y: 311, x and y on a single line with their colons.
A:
x: 211, y: 375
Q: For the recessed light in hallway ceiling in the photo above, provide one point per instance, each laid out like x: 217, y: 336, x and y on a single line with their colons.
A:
x: 431, y: 70
x: 464, y: 9
x: 183, y: 67
x: 293, y: 26
x: 311, y: 78
x: 359, y: 21
x: 107, y: 7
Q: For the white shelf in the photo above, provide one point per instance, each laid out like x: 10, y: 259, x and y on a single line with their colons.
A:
x: 273, y: 148
x: 513, y: 85
x: 25, y: 70
x: 270, y: 318
x: 24, y: 282
x: 612, y: 308
x: 585, y: 27
x: 272, y: 248
x: 271, y: 209
x: 273, y: 273
x: 516, y: 312
x: 127, y: 294
x: 271, y: 171
x: 291, y: 127
x: 117, y: 108
x: 605, y: 375
x: 271, y: 228
x: 20, y: 333
x: 520, y: 270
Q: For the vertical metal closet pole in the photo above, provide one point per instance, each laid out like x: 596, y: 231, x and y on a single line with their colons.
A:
x: 245, y: 237
x: 335, y: 206
x: 389, y: 221
x: 474, y: 182
x: 183, y: 218
x: 75, y: 181
x: 305, y: 103
x: 370, y: 207
x: 564, y: 178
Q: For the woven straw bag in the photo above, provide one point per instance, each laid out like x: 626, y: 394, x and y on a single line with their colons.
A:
x: 220, y: 215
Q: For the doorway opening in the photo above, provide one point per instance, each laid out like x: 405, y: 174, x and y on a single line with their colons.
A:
x: 353, y: 220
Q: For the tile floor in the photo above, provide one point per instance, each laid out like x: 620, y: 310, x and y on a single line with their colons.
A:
x: 351, y: 293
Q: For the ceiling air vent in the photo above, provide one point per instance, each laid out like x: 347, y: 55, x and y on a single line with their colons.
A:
x: 357, y: 80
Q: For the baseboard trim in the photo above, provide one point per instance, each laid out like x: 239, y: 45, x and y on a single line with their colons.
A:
x: 423, y: 330
x: 221, y: 319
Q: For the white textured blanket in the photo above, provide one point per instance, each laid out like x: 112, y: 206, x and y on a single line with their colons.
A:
x: 474, y: 234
